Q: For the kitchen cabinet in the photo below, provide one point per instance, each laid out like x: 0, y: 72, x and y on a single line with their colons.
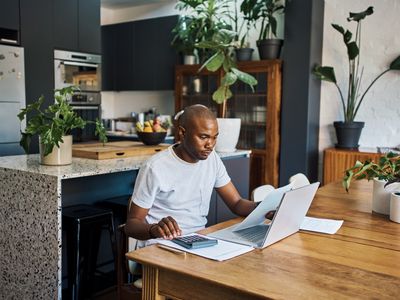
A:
x: 138, y: 55
x: 77, y: 25
x: 9, y: 14
x: 258, y: 110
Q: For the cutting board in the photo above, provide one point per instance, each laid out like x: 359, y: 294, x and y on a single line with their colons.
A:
x: 115, y: 150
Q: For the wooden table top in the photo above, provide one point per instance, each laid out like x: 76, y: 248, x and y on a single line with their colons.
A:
x: 362, y: 260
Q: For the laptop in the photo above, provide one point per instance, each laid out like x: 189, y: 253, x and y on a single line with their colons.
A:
x: 288, y: 217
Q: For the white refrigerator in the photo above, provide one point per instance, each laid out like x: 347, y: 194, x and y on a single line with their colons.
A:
x: 12, y: 98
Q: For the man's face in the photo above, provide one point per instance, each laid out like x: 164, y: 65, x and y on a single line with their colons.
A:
x: 200, y: 137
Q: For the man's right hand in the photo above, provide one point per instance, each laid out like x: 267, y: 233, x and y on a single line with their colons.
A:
x: 167, y: 229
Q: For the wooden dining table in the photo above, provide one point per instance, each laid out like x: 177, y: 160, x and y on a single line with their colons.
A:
x: 360, y: 261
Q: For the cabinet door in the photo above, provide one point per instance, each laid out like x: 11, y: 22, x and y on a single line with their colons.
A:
x: 89, y: 26
x: 108, y: 57
x: 123, y: 58
x: 65, y: 31
x: 9, y: 14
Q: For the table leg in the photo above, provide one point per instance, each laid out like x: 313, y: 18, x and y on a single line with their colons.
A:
x: 150, y: 284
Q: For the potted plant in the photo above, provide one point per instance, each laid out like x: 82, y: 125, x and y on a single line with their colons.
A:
x: 206, y: 18
x: 186, y: 34
x: 54, y: 125
x: 386, y: 176
x: 348, y: 131
x: 242, y: 26
x: 222, y: 44
x: 269, y: 47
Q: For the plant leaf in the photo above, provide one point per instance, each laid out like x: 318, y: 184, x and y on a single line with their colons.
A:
x: 395, y: 65
x: 338, y: 28
x: 361, y: 15
x: 325, y: 73
x: 222, y: 94
x: 246, y: 78
x: 215, y: 62
x: 352, y: 50
x: 229, y: 79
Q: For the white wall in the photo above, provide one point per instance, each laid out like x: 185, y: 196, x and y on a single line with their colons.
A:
x: 380, y: 45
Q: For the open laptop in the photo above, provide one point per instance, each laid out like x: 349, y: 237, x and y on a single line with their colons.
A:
x: 288, y: 217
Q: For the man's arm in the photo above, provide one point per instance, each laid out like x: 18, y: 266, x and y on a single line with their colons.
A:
x: 138, y: 228
x: 238, y: 205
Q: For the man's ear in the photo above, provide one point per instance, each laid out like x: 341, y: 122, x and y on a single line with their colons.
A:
x: 181, y: 132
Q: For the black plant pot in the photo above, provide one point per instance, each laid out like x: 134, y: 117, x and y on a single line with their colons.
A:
x: 269, y: 48
x: 244, y: 54
x: 348, y: 134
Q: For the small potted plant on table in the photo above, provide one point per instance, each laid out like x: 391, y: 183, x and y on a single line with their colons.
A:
x: 54, y: 125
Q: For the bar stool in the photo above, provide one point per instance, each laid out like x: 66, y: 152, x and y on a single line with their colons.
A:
x: 83, y: 225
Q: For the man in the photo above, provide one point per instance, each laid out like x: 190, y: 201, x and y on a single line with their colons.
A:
x: 173, y: 189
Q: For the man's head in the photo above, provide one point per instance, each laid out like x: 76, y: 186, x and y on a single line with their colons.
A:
x: 198, y: 131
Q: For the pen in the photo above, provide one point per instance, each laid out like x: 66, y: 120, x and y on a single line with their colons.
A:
x: 170, y: 249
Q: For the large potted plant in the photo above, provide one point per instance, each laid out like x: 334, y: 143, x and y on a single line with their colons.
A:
x: 206, y: 17
x: 54, y: 125
x: 242, y: 25
x: 186, y: 34
x: 222, y: 44
x: 386, y: 176
x: 348, y: 131
x: 266, y: 11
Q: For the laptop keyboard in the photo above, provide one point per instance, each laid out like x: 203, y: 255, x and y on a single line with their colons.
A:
x: 253, y: 234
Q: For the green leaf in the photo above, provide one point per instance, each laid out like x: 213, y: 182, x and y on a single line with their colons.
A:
x: 347, y: 36
x: 338, y: 28
x: 325, y: 73
x: 215, y: 61
x: 361, y: 15
x: 352, y: 50
x: 229, y: 79
x: 222, y: 94
x: 395, y: 65
x: 246, y: 78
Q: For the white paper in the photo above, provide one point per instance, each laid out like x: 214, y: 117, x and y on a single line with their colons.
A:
x: 321, y: 225
x: 271, y: 202
x: 222, y: 251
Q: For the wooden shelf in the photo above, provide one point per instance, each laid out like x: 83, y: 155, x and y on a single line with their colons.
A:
x: 336, y: 161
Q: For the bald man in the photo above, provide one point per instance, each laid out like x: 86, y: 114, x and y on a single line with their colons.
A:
x: 173, y: 189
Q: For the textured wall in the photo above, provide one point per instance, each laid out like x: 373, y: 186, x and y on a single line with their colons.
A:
x: 380, y: 45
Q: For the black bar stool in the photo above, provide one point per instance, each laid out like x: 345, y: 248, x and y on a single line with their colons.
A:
x: 83, y: 225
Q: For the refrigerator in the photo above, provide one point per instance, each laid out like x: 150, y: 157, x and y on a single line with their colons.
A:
x: 12, y: 98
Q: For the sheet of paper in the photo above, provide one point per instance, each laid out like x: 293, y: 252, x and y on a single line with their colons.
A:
x: 222, y: 251
x: 270, y: 202
x: 321, y: 225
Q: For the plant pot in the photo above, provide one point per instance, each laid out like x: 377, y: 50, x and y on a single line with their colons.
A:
x: 395, y: 207
x: 380, y: 198
x: 269, y: 48
x: 244, y: 54
x: 59, y: 156
x: 229, y: 130
x: 189, y: 59
x: 348, y: 134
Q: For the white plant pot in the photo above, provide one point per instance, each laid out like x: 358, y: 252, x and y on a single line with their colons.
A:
x: 229, y: 130
x: 189, y: 59
x: 395, y: 207
x: 380, y: 198
x: 59, y: 156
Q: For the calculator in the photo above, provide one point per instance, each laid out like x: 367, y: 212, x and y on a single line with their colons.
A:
x: 194, y: 241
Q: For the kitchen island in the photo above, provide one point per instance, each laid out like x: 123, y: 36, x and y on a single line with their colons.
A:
x: 31, y: 201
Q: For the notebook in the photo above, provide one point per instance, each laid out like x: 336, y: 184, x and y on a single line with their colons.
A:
x: 288, y: 217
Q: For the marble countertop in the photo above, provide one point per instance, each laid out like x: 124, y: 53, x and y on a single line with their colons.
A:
x: 82, y: 167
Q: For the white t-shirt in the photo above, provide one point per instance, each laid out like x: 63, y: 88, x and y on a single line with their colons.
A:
x: 170, y: 186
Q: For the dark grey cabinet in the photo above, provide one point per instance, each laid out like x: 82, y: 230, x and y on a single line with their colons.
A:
x: 9, y: 14
x: 141, y: 57
x: 238, y: 169
x: 77, y: 25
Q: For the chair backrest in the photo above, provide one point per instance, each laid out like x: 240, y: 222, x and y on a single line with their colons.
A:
x: 299, y: 180
x: 259, y: 193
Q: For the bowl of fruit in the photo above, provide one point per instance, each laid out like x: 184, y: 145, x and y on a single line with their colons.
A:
x: 151, y: 132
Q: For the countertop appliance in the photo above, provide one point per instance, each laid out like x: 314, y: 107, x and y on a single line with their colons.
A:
x: 84, y: 71
x: 12, y: 98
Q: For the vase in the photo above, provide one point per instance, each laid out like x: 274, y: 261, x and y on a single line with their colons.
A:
x: 269, y: 48
x: 60, y: 156
x: 348, y: 134
x: 395, y: 207
x: 244, y: 54
x: 380, y: 197
x: 228, y: 136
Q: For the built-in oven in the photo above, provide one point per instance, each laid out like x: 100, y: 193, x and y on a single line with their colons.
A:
x: 82, y: 70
